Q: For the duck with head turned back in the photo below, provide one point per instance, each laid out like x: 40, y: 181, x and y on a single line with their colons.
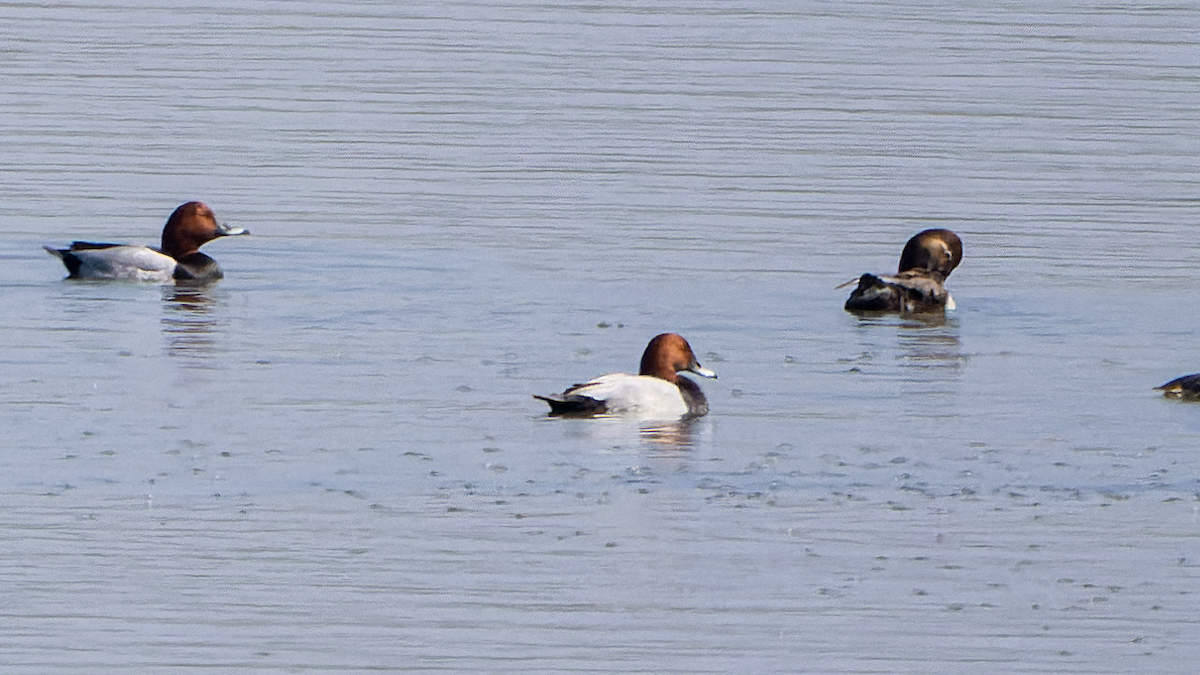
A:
x: 657, y: 391
x: 179, y: 259
x: 919, y: 285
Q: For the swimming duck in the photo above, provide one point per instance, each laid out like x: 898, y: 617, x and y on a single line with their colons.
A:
x: 179, y: 258
x: 919, y: 284
x: 657, y: 391
x: 1186, y: 388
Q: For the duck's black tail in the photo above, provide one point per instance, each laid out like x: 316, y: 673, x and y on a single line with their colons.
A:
x: 568, y: 405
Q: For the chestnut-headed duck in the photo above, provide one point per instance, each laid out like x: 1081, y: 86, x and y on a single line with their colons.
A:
x: 919, y: 284
x: 1186, y: 388
x: 656, y: 392
x: 179, y: 258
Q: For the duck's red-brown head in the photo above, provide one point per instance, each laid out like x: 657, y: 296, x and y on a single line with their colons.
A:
x: 668, y: 354
x: 191, y: 226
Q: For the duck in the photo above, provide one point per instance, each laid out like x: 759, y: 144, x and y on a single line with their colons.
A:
x: 657, y: 391
x: 1186, y: 388
x: 919, y: 285
x: 179, y: 259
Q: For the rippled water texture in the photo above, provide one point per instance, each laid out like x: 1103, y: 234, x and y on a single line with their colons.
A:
x: 331, y: 460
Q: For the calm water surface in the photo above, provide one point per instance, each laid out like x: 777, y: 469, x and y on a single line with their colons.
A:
x: 331, y: 462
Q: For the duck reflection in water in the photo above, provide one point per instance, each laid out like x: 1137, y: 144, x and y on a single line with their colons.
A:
x: 932, y: 347
x: 623, y: 433
x: 669, y: 435
x: 188, y: 322
x: 926, y: 347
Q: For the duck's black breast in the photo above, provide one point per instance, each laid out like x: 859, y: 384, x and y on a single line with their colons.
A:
x: 197, y: 268
x: 694, y: 397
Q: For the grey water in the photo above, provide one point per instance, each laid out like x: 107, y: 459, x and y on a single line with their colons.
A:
x: 331, y: 460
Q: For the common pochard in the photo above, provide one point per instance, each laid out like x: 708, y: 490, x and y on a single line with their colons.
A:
x: 656, y: 391
x: 179, y: 258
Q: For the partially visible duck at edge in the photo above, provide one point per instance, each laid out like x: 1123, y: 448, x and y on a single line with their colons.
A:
x: 178, y: 259
x: 919, y: 285
x: 1186, y: 388
x: 656, y: 391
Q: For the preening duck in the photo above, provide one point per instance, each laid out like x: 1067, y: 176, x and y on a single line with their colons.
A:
x: 919, y: 284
